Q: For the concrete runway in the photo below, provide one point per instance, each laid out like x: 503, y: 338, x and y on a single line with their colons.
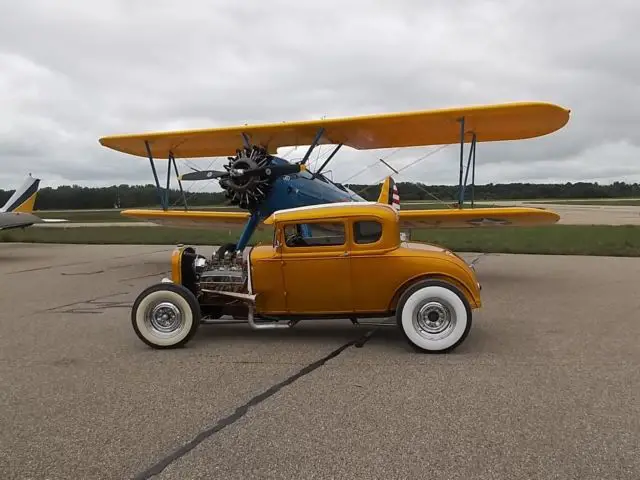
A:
x: 546, y: 386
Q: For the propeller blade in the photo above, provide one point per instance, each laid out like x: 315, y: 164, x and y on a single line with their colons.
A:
x: 272, y: 171
x: 203, y: 175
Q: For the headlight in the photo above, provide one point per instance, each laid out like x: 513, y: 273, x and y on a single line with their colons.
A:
x: 199, y: 263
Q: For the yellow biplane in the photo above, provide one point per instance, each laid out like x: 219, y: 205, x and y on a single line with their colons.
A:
x: 258, y: 181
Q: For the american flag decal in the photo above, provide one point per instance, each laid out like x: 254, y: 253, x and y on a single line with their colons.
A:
x: 394, y: 197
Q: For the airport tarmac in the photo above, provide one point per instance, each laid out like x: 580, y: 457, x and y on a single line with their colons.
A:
x: 546, y: 386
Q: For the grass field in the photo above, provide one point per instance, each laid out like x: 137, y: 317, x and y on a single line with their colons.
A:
x: 556, y: 239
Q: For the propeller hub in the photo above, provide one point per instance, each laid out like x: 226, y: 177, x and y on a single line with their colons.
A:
x: 248, y: 176
x: 243, y: 187
x: 238, y: 180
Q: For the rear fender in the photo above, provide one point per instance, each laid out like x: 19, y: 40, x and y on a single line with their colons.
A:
x: 435, y: 276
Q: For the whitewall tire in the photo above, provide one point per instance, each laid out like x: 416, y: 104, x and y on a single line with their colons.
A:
x: 434, y: 316
x: 165, y: 315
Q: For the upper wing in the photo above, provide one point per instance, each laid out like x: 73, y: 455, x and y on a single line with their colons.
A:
x: 509, y: 121
x: 477, y: 217
x: 190, y: 218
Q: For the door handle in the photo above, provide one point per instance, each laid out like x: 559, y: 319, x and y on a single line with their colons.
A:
x: 345, y: 254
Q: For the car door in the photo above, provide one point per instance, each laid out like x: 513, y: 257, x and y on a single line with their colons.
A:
x: 315, y: 267
x: 374, y: 273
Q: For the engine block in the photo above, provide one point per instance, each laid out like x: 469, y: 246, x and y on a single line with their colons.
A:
x: 223, y: 275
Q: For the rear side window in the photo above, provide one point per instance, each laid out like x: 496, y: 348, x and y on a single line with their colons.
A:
x: 367, y: 231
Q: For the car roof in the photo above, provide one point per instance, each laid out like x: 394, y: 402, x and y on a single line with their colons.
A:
x: 324, y: 211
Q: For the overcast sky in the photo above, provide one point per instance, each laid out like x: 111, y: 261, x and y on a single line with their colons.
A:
x: 75, y: 70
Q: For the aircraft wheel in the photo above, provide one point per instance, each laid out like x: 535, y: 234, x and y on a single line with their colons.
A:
x: 434, y: 316
x: 227, y: 247
x: 165, y: 315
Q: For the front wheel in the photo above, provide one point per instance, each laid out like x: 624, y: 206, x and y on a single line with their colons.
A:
x: 165, y: 315
x: 434, y: 316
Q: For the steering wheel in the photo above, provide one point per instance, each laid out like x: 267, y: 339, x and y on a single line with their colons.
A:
x: 294, y: 239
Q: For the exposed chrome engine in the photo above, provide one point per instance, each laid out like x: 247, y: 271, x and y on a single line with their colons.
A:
x: 222, y: 274
x: 221, y: 283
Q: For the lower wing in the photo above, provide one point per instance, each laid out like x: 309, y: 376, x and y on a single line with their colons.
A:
x: 477, y: 217
x: 189, y: 218
x: 409, y: 219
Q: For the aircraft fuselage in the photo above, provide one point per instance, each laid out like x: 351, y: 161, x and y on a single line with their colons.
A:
x: 302, y: 189
x: 295, y: 190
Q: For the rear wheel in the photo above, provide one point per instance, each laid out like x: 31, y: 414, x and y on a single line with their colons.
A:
x: 434, y: 316
x: 165, y: 315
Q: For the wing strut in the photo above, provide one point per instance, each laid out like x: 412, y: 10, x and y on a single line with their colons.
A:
x: 329, y: 158
x: 471, y: 162
x: 164, y: 197
x: 249, y: 228
x: 390, y: 167
x: 313, y: 145
x: 246, y: 141
x: 155, y: 174
x: 172, y: 159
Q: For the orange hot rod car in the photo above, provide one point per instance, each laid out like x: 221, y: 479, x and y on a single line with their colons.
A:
x: 343, y: 261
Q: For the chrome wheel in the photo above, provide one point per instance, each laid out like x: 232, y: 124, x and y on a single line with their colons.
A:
x: 434, y: 316
x: 165, y: 315
x: 434, y: 320
x: 165, y: 318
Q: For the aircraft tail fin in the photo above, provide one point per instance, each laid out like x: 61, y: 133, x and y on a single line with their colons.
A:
x: 24, y: 198
x: 389, y: 193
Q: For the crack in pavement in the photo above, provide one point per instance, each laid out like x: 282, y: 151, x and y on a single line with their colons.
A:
x: 48, y: 267
x: 242, y: 410
x: 147, y: 275
x: 91, y: 300
x: 95, y: 306
x: 85, y: 262
x: 74, y: 274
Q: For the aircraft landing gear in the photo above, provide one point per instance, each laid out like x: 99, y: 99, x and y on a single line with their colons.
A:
x: 227, y: 247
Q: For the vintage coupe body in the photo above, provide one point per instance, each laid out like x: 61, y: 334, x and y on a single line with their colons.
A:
x: 343, y: 260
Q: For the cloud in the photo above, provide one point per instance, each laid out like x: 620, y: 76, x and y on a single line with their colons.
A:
x: 73, y: 73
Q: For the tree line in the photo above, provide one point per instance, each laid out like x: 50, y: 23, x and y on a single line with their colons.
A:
x: 140, y: 196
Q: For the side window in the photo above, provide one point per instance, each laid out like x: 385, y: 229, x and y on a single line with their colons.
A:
x: 367, y: 231
x: 314, y: 234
